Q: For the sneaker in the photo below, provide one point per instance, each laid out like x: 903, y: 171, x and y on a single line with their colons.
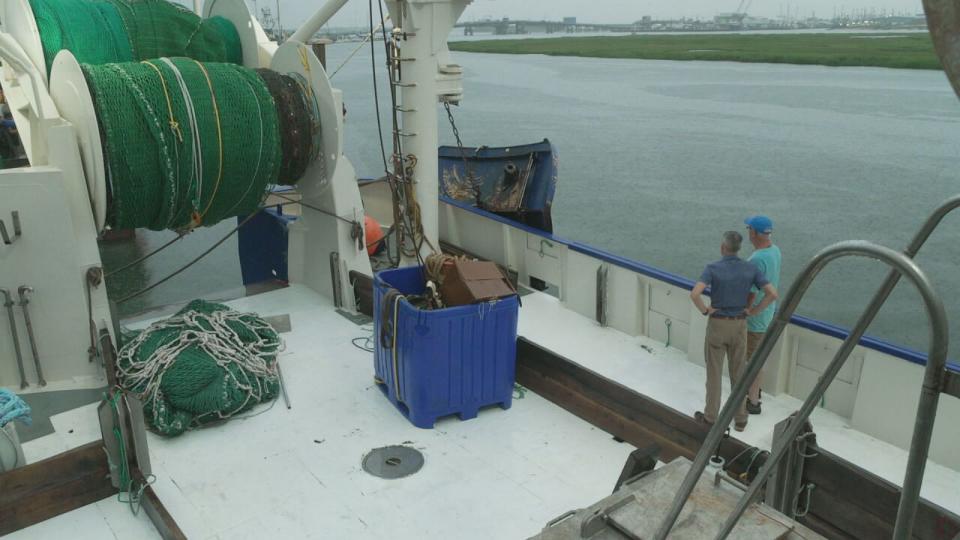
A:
x: 701, y: 419
x: 753, y: 408
x: 740, y: 426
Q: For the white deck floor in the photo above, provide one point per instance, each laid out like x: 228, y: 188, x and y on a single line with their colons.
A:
x: 668, y: 377
x: 296, y: 473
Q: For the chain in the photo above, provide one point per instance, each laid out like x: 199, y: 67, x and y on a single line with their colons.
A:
x: 471, y: 179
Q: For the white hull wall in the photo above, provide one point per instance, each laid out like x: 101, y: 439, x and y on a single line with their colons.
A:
x: 878, y: 392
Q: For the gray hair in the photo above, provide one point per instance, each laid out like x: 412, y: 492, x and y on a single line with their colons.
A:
x: 732, y: 241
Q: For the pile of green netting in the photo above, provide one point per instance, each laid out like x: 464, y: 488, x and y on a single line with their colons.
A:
x: 107, y: 31
x: 185, y: 143
x: 205, y: 364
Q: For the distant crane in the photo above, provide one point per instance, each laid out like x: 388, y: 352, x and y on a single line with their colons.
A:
x: 743, y: 7
x: 735, y: 19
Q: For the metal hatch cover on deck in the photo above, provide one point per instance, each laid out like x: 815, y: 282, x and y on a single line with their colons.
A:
x: 639, y: 506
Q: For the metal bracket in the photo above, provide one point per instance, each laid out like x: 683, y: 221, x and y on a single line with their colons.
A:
x: 951, y: 383
x: 544, y: 242
x: 17, y: 231
x: 602, y: 273
x: 108, y: 355
x: 640, y: 462
x: 603, y: 520
x: 786, y: 480
x: 335, y: 278
x: 93, y: 277
x: 129, y: 421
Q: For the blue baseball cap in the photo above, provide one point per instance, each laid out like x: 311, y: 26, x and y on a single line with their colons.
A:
x: 761, y: 224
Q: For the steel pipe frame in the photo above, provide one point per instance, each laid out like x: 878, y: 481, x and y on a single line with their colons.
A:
x: 25, y: 291
x: 317, y: 20
x: 933, y: 376
x: 9, y: 303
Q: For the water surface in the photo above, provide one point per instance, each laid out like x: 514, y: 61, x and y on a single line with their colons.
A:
x: 658, y: 158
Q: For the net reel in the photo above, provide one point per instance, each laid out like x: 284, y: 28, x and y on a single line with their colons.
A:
x: 20, y: 22
x: 73, y: 96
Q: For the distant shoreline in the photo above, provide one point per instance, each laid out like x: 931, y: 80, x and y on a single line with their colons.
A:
x: 888, y: 50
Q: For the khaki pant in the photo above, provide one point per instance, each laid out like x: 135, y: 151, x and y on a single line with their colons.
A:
x: 725, y: 337
x: 753, y: 341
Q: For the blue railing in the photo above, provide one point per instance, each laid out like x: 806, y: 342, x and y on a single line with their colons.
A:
x: 814, y: 325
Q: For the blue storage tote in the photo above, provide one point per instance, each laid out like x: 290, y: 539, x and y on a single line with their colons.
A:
x: 448, y: 361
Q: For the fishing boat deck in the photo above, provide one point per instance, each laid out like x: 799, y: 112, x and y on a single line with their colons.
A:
x: 297, y: 473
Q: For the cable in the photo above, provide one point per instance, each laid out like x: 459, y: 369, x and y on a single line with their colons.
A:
x: 366, y: 38
x: 149, y: 288
x: 394, y: 194
x: 131, y: 264
x: 316, y: 209
x: 180, y: 236
x: 224, y: 239
x: 367, y: 341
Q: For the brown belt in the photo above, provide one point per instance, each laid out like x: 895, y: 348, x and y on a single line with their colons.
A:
x: 728, y: 317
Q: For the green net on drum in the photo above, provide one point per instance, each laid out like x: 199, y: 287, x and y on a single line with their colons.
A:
x: 109, y: 31
x: 205, y: 364
x: 185, y: 143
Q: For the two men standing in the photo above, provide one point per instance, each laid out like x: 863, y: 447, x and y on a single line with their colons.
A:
x: 731, y: 280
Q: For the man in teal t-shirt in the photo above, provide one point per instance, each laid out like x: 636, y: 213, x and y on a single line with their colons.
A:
x: 767, y: 258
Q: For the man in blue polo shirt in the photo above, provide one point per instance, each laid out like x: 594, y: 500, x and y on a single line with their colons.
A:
x: 730, y: 280
x: 767, y: 258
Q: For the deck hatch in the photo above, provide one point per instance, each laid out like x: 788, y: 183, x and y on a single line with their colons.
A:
x: 393, y: 462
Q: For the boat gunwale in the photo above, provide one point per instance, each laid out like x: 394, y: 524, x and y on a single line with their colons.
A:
x: 808, y: 323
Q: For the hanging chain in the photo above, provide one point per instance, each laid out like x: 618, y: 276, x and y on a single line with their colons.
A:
x: 468, y: 170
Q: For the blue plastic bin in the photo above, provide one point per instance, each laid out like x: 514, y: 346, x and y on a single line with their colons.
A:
x: 448, y: 361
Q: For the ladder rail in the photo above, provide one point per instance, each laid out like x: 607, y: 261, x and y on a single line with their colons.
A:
x: 902, y: 264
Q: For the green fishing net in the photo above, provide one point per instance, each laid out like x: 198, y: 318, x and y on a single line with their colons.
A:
x: 205, y: 364
x: 185, y: 143
x: 108, y: 31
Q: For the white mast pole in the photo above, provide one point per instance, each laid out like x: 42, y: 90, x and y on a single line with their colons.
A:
x: 314, y: 23
x: 427, y: 77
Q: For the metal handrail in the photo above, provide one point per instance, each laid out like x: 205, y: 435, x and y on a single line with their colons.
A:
x: 926, y: 410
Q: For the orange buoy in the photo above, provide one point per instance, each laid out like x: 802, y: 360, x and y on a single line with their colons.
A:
x: 374, y: 235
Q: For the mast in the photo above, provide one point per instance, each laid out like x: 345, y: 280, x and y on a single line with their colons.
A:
x: 427, y: 78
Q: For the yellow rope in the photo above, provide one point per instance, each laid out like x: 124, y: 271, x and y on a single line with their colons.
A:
x: 305, y: 61
x: 216, y: 111
x: 174, y: 125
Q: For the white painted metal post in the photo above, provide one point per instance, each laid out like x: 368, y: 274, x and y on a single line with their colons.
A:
x: 427, y: 77
x: 320, y: 18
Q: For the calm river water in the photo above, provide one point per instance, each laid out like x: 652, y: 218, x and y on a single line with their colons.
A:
x: 658, y: 158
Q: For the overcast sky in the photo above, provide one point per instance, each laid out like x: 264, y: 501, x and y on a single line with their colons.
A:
x: 355, y: 12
